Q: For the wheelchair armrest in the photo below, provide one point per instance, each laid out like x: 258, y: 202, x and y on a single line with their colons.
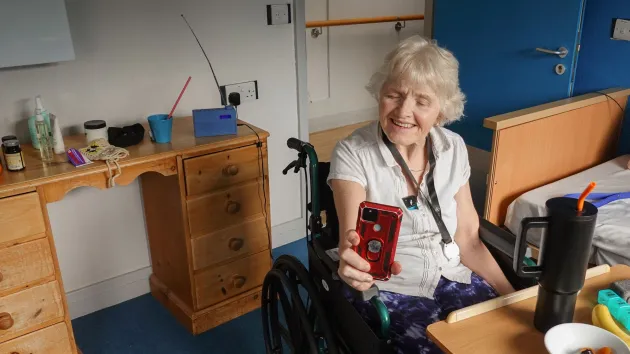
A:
x: 501, y: 244
x: 330, y: 259
x: 332, y: 263
x: 365, y: 295
x: 497, y: 239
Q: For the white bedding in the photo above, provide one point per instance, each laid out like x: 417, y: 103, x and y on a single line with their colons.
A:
x: 611, y: 242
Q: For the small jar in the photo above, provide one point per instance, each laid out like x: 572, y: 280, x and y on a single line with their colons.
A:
x: 95, y: 129
x: 7, y: 138
x: 13, y: 155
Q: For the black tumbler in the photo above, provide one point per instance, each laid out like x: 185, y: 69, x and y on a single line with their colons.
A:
x: 564, y: 257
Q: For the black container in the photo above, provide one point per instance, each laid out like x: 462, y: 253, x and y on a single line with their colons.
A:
x: 7, y: 138
x: 564, y: 258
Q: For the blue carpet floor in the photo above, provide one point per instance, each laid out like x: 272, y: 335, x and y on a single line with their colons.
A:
x: 143, y: 326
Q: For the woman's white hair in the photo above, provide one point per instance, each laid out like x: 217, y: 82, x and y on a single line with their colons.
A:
x: 419, y: 62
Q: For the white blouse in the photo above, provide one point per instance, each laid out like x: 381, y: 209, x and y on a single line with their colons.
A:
x: 363, y: 158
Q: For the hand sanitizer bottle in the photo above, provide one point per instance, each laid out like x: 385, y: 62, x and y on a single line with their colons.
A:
x: 31, y: 121
x: 44, y: 137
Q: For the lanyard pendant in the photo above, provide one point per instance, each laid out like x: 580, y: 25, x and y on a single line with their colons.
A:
x: 451, y: 252
x: 411, y: 202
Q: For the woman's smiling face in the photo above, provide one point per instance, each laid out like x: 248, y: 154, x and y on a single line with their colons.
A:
x: 407, y: 113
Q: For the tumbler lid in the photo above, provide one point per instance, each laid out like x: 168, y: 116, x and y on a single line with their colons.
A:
x: 567, y: 207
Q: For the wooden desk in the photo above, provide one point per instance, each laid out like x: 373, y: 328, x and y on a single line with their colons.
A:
x: 207, y: 225
x: 510, y: 329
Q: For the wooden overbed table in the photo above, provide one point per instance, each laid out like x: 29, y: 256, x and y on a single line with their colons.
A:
x: 506, y: 324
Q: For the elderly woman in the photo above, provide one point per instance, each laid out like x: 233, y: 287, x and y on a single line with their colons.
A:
x: 408, y: 159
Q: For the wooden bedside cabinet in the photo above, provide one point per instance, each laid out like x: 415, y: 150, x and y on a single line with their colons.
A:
x: 209, y: 234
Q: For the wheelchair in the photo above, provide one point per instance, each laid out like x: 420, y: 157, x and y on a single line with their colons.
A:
x: 307, y: 311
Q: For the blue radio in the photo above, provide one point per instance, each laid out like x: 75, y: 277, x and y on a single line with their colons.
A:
x: 214, y: 121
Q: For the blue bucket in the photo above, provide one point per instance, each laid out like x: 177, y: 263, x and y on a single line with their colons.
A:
x: 161, y: 128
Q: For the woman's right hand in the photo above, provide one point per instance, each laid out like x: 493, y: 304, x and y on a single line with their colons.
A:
x: 352, y: 268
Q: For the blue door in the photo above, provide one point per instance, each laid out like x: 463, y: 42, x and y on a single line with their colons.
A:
x: 501, y: 46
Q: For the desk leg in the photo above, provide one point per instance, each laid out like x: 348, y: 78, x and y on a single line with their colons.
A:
x: 49, y: 235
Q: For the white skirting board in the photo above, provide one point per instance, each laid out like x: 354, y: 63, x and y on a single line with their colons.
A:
x: 288, y: 232
x: 108, y: 293
x: 127, y: 286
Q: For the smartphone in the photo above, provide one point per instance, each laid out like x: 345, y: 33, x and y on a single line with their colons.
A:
x: 378, y: 226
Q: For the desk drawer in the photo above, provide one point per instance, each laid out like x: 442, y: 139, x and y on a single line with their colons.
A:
x: 220, y: 283
x: 28, y: 309
x: 216, y: 211
x: 24, y: 264
x: 50, y: 340
x: 236, y: 241
x: 214, y: 171
x: 20, y: 217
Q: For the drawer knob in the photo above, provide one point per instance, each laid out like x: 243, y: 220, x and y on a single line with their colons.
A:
x: 6, y: 321
x: 239, y: 281
x: 230, y: 170
x: 236, y: 244
x: 233, y: 207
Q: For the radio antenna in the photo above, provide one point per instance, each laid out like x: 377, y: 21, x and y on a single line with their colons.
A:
x: 209, y: 63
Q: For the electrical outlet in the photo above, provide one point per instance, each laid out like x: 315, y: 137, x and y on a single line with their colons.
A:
x: 622, y: 30
x: 278, y: 14
x: 248, y: 91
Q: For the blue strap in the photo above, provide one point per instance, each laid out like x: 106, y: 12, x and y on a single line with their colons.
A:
x: 601, y: 199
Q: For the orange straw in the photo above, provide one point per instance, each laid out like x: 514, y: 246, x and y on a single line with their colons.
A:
x: 585, y: 194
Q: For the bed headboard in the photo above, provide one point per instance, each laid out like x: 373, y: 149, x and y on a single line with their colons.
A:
x: 542, y: 144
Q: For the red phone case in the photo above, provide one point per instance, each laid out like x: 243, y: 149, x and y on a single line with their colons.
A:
x: 378, y: 226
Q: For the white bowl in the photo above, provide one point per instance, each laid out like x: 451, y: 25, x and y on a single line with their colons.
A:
x: 569, y: 338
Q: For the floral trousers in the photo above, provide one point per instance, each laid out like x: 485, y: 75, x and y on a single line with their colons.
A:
x: 411, y: 315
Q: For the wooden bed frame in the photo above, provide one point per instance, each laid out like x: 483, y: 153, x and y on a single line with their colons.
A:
x: 542, y: 144
x: 324, y: 141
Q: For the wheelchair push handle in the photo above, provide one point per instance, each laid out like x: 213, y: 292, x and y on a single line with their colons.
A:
x: 307, y: 159
x: 295, y: 144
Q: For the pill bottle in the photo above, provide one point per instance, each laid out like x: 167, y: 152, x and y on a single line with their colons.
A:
x: 4, y: 138
x: 13, y: 155
x: 95, y: 129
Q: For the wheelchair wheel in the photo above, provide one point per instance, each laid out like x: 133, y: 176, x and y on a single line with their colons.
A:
x: 305, y: 328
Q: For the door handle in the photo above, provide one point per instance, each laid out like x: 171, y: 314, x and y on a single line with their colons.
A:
x: 561, y: 52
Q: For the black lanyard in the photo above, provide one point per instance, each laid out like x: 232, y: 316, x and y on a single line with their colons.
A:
x: 446, y: 236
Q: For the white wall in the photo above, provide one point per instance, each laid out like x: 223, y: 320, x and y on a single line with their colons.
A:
x: 343, y: 59
x: 132, y: 58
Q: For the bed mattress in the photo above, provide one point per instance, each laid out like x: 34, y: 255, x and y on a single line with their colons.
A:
x: 611, y: 241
